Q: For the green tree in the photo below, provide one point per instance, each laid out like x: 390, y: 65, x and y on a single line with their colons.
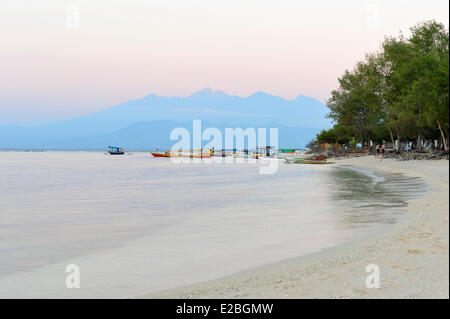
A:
x: 417, y: 81
x: 337, y: 134
x: 402, y: 90
x: 358, y: 103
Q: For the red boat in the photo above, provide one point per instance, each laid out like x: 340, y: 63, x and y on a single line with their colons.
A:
x: 160, y: 154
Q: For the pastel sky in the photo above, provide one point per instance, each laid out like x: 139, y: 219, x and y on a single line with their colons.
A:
x: 60, y: 59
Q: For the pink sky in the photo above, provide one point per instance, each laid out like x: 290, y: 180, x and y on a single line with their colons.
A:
x: 51, y: 67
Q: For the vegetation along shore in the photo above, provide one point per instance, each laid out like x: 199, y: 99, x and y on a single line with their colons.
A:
x: 399, y: 94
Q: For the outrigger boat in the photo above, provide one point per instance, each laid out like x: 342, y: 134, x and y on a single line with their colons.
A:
x: 307, y: 161
x: 186, y: 154
x: 234, y: 153
x: 113, y: 150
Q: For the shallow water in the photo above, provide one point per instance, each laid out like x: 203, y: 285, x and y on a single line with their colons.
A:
x: 135, y: 224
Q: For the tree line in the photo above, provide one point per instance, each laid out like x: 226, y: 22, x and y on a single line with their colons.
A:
x: 399, y: 93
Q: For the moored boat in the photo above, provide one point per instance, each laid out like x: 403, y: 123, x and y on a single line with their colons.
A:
x: 114, y: 150
x: 159, y: 154
x: 184, y: 154
x: 307, y: 161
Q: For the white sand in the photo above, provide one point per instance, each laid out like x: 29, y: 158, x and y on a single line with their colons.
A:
x: 412, y: 255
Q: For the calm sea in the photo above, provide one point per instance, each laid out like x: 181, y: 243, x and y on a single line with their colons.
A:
x: 135, y: 224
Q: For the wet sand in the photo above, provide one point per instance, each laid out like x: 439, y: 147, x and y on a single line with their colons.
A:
x: 412, y: 255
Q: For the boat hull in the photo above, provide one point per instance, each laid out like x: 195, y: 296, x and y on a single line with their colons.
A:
x: 160, y: 155
x: 180, y: 156
x: 312, y: 162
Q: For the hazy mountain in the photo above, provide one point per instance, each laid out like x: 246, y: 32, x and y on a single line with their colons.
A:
x: 146, y: 123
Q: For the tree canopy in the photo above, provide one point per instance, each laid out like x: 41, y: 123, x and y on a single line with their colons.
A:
x: 401, y: 92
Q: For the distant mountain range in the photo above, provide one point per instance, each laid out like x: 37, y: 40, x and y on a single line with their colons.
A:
x: 146, y: 123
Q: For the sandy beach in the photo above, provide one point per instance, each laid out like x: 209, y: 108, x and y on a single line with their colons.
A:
x: 412, y: 255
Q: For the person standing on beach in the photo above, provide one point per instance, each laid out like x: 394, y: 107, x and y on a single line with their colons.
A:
x: 383, y: 150
x: 377, y: 151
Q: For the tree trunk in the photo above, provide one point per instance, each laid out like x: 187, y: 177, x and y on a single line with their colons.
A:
x: 443, y: 135
x: 392, y: 139
x: 398, y: 139
x: 419, y: 142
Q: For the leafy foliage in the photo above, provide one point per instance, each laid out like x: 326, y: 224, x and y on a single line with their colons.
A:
x: 402, y: 90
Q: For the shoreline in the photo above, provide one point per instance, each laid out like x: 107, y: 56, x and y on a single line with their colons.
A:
x: 412, y: 255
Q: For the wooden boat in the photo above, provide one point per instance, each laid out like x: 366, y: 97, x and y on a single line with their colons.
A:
x: 113, y: 150
x: 184, y: 154
x: 160, y: 154
x: 308, y: 161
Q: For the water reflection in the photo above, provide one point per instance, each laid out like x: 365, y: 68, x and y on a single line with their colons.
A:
x: 368, y: 199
